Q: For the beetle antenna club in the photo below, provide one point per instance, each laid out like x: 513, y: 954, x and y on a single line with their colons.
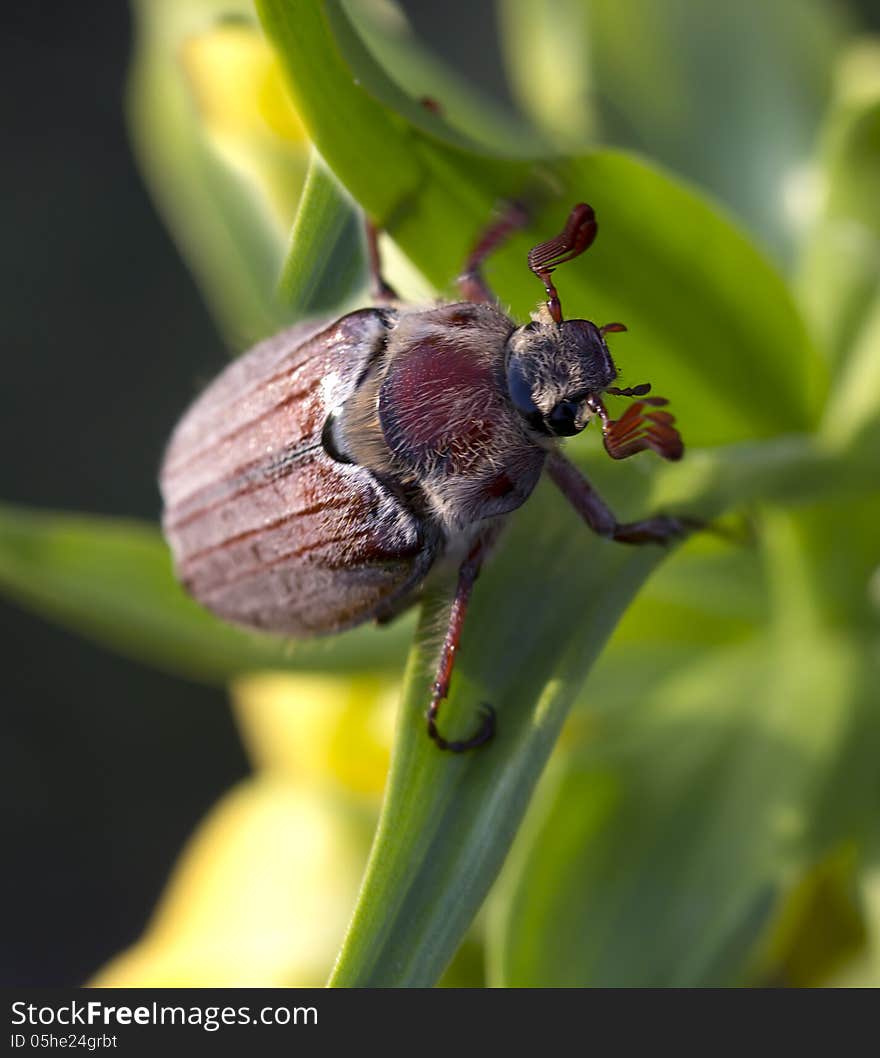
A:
x: 318, y: 482
x: 577, y: 235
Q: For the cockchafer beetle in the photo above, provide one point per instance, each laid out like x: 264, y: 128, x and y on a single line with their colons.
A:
x: 321, y: 477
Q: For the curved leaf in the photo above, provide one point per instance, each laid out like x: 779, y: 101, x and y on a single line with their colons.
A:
x: 662, y: 851
x: 682, y: 825
x: 448, y: 821
x: 840, y: 267
x: 654, y: 76
x: 325, y: 260
x: 375, y: 40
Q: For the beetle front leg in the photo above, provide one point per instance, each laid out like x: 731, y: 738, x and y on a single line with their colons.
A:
x: 471, y: 283
x: 642, y: 426
x: 467, y: 575
x: 660, y: 529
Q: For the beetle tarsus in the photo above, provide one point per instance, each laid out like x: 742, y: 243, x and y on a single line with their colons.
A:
x: 661, y: 529
x: 484, y: 734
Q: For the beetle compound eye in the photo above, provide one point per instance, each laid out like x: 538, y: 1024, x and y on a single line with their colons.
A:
x: 563, y: 420
x: 519, y: 386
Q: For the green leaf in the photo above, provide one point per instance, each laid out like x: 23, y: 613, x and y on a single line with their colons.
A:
x: 865, y: 972
x: 325, y: 261
x: 111, y: 580
x: 699, y: 794
x: 393, y: 65
x: 330, y: 101
x: 852, y: 417
x: 839, y: 276
x: 653, y: 76
x: 819, y: 928
x: 668, y: 842
x: 447, y: 821
x: 708, y: 316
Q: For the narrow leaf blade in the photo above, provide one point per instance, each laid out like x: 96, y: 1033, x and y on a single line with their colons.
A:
x: 111, y: 580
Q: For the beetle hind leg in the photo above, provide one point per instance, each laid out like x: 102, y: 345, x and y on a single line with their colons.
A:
x: 467, y: 575
x: 471, y: 284
x: 380, y: 289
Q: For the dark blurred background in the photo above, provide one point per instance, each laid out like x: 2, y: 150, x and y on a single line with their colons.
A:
x: 106, y: 765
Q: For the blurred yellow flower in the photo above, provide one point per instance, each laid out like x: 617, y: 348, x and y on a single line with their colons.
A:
x: 262, y: 893
x: 319, y: 730
x: 223, y: 150
x: 245, y: 113
x: 239, y: 84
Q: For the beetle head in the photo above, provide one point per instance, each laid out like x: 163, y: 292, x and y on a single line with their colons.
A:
x: 554, y: 369
x: 557, y: 369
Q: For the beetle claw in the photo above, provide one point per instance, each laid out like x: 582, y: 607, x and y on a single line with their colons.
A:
x: 483, y: 735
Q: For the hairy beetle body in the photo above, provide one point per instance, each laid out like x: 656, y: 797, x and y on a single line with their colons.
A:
x: 448, y: 430
x: 318, y: 480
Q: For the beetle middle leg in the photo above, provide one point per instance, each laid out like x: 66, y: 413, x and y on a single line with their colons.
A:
x: 471, y: 283
x: 661, y: 529
x: 467, y: 575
